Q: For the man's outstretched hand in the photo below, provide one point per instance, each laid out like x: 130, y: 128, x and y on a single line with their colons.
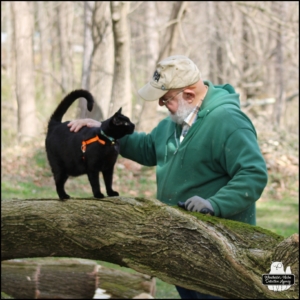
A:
x: 197, y: 204
x: 76, y: 125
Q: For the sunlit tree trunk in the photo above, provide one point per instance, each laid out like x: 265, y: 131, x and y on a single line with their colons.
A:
x: 10, y: 65
x: 279, y: 8
x: 103, y: 59
x: 8, y: 60
x: 219, y: 45
x: 25, y: 77
x: 88, y: 44
x: 121, y: 89
x: 169, y: 47
x: 45, y: 49
x: 65, y: 23
x: 212, y: 40
x: 245, y: 52
x: 87, y: 57
x: 148, y: 117
x: 97, y: 28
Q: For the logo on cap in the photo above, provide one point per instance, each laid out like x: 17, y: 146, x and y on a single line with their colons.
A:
x: 156, y: 76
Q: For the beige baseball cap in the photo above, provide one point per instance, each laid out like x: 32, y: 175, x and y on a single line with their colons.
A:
x: 174, y: 72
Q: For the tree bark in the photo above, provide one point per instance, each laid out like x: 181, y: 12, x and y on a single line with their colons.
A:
x: 198, y: 252
x: 63, y: 278
x: 25, y: 78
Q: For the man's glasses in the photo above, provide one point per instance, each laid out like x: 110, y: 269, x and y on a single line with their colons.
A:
x: 165, y: 101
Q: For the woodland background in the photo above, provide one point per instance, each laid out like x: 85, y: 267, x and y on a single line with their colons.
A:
x: 49, y: 48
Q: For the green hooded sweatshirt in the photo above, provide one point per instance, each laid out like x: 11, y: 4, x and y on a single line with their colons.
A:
x: 218, y: 160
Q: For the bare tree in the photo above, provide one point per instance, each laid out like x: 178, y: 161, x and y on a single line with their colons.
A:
x: 25, y: 79
x: 148, y: 116
x: 88, y: 44
x: 88, y: 50
x: 65, y: 14
x: 96, y: 26
x: 44, y: 28
x: 280, y: 11
x: 219, y: 44
x: 56, y: 83
x: 7, y: 60
x: 8, y: 67
x: 121, y: 90
x: 262, y: 26
x: 103, y: 59
x: 211, y: 32
x: 170, y: 39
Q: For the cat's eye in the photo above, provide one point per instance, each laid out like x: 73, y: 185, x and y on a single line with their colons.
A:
x: 126, y: 124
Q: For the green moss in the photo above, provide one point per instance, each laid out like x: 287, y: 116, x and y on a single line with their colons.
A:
x: 256, y: 234
x: 5, y: 296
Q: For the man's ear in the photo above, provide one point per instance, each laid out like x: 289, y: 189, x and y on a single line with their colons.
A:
x: 189, y: 95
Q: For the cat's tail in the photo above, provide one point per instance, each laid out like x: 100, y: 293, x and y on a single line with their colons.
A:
x: 67, y: 102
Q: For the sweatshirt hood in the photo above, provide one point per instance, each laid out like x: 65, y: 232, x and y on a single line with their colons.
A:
x: 218, y: 95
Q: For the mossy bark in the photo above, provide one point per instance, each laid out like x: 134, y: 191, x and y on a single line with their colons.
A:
x: 203, y: 253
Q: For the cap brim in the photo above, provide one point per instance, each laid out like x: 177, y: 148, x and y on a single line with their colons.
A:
x: 149, y: 93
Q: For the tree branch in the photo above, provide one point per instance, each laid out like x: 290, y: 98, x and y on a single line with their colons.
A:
x: 202, y: 253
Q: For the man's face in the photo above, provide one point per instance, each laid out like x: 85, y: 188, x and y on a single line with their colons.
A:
x: 179, y: 108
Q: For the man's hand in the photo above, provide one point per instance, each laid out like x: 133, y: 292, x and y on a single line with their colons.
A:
x: 76, y: 125
x: 197, y: 204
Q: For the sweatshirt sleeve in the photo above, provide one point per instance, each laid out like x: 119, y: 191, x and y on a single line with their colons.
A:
x: 244, y: 163
x: 139, y: 147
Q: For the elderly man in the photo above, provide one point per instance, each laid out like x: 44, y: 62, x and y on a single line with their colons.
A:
x: 206, y: 153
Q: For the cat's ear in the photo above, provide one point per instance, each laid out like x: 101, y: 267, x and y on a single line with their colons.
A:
x: 119, y: 111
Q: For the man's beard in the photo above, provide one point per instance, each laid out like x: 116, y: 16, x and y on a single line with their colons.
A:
x: 183, y: 110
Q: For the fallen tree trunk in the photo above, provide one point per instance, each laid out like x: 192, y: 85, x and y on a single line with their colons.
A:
x: 122, y: 285
x: 30, y: 280
x: 63, y: 278
x: 203, y: 253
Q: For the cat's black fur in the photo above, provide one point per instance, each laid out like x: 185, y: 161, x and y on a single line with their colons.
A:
x: 64, y: 151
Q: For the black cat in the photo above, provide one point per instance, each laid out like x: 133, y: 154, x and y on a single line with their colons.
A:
x: 88, y: 151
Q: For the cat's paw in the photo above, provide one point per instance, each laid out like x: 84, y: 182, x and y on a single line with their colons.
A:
x: 112, y: 193
x: 99, y: 195
x: 64, y: 197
